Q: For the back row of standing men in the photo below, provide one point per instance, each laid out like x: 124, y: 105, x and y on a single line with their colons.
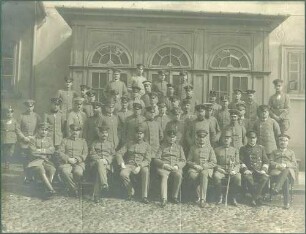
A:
x: 157, y: 110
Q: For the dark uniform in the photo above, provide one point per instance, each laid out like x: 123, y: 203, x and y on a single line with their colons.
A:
x: 41, y: 160
x: 283, y: 164
x: 254, y: 166
x: 139, y: 78
x: 251, y: 106
x: 123, y: 115
x: 162, y: 118
x: 178, y: 125
x: 189, y: 96
x: 180, y: 89
x: 170, y: 160
x: 201, y: 161
x: 223, y: 116
x: 9, y: 130
x: 160, y: 86
x: 135, y: 155
x: 76, y: 116
x: 117, y: 84
x: 136, y: 98
x: 228, y: 164
x: 56, y: 119
x: 72, y: 154
x: 132, y: 122
x: 88, y: 107
x: 237, y: 100
x: 186, y: 115
x: 100, y: 158
x: 279, y: 104
x: 146, y: 97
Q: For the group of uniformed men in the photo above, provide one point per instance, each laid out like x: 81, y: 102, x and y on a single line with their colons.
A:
x: 158, y: 125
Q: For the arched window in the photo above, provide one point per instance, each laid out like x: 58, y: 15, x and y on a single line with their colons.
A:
x: 110, y: 54
x: 230, y: 58
x: 170, y: 56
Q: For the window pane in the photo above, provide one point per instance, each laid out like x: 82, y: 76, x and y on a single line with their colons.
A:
x: 175, y: 61
x: 95, y: 80
x: 223, y: 83
x: 7, y: 66
x: 184, y: 60
x: 176, y: 52
x: 96, y: 58
x: 103, y: 80
x: 294, y: 67
x: 156, y: 59
x: 115, y: 59
x: 164, y: 51
x: 293, y: 57
x: 105, y: 59
x: 165, y: 61
x: 154, y: 78
x: 123, y: 78
x: 124, y: 59
x: 244, y: 62
x: 235, y: 62
x: 244, y: 83
x: 236, y: 82
x: 215, y: 83
x: 176, y: 80
x: 225, y: 62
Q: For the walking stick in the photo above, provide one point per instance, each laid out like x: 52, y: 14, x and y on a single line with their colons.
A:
x: 228, y: 183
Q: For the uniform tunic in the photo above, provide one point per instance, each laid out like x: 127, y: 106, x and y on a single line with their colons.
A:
x: 193, y: 103
x: 122, y: 117
x: 56, y: 121
x: 119, y: 86
x: 251, y: 110
x: 179, y: 125
x: 180, y: 89
x: 90, y: 129
x: 146, y: 99
x: 112, y: 122
x: 228, y: 158
x: 224, y: 118
x: 160, y: 87
x: 88, y: 110
x: 67, y: 100
x: 267, y: 133
x: 9, y: 130
x: 233, y: 104
x: 137, y: 81
x: 246, y: 123
x: 153, y: 134
x: 163, y: 120
x: 131, y: 123
x: 132, y: 101
x: 216, y: 107
x: 77, y: 118
x: 238, y: 135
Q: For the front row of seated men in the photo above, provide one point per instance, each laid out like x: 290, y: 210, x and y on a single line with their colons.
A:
x: 135, y: 157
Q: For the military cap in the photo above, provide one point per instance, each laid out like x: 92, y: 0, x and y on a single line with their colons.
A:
x: 172, y: 131
x: 212, y: 93
x: 83, y: 86
x: 125, y: 99
x: 240, y: 105
x: 250, y: 91
x: 175, y: 111
x: 237, y: 91
x: 199, y: 107
x: 202, y: 133
x: 162, y: 103
x: 227, y: 133
x: 251, y: 134
x: 147, y: 82
x: 174, y: 98
x: 75, y: 127
x: 68, y: 78
x: 234, y: 112
x: 29, y: 102
x: 263, y: 107
x: 103, y: 127
x: 90, y: 93
x: 153, y: 95
x: 224, y: 98
x: 109, y: 102
x: 208, y: 106
x: 186, y: 101
x: 78, y: 100
x: 140, y: 128
x: 150, y: 109
x: 284, y: 136
x: 183, y: 73
x: 140, y: 65
x: 161, y: 72
x: 116, y: 70
x: 96, y: 105
x: 188, y: 87
x: 137, y: 106
x: 56, y: 100
x: 170, y: 85
x: 43, y: 125
x: 278, y: 81
x: 7, y: 109
x: 135, y: 87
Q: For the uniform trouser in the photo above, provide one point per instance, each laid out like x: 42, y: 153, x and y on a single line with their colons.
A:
x: 100, y: 176
x: 8, y: 151
x: 200, y: 179
x: 71, y: 175
x: 45, y: 172
x: 235, y: 183
x: 261, y: 179
x: 284, y: 125
x: 281, y: 178
x: 24, y: 153
x: 177, y: 180
x: 144, y: 174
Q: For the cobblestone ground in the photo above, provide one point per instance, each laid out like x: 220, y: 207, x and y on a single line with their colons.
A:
x: 23, y: 212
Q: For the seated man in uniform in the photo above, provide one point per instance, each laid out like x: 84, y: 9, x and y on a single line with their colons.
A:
x: 72, y: 154
x: 135, y: 157
x: 41, y: 158
x: 201, y: 161
x: 254, y: 167
x: 228, y: 164
x: 283, y: 163
x: 100, y: 157
x: 170, y: 160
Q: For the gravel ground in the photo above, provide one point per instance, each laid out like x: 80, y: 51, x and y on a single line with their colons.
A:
x: 23, y: 212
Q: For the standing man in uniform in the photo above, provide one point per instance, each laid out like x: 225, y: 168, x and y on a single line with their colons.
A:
x: 186, y: 115
x: 9, y: 130
x: 267, y: 130
x: 135, y: 97
x: 254, y: 167
x: 27, y: 129
x: 134, y: 158
x: 251, y: 106
x: 238, y: 131
x: 71, y: 157
x: 170, y: 95
x: 123, y: 115
x: 117, y: 84
x: 189, y: 95
x: 242, y: 120
x: 100, y: 158
x: 279, y: 104
x: 181, y: 86
x: 56, y: 121
x: 139, y: 78
x: 160, y: 86
x: 228, y: 164
x: 76, y: 116
x: 213, y: 100
x: 223, y: 115
x: 170, y: 160
x: 237, y: 99
x: 283, y: 164
x: 148, y: 89
x: 162, y: 118
x: 87, y: 107
x: 177, y: 124
x: 201, y: 162
x: 213, y: 122
x: 84, y: 89
x: 41, y: 161
x: 153, y: 102
x: 67, y: 95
